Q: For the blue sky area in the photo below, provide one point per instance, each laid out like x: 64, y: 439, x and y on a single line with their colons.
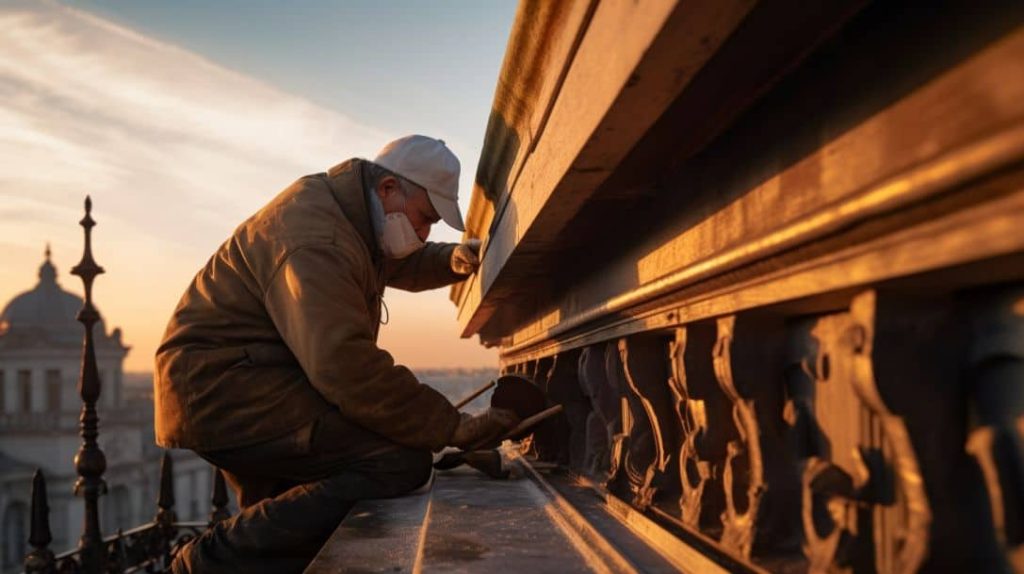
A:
x: 405, y: 66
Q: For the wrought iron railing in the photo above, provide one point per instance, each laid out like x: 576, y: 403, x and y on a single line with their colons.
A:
x: 146, y: 548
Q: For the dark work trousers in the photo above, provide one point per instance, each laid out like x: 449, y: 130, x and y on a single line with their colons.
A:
x: 293, y: 493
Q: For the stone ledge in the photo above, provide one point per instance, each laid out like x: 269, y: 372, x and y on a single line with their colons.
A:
x: 381, y: 535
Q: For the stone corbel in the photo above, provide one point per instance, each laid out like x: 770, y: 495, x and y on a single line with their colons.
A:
x: 738, y: 525
x: 860, y: 462
x: 706, y: 426
x: 604, y: 421
x: 907, y: 474
x: 645, y: 367
x: 694, y: 473
x: 760, y: 475
x: 996, y: 387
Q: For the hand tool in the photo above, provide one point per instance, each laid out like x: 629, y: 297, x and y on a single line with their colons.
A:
x: 488, y: 460
x: 475, y: 394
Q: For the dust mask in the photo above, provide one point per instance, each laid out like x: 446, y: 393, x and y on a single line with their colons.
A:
x: 398, y: 239
x: 395, y: 232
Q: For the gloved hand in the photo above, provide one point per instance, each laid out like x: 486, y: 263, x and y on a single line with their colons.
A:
x: 466, y: 257
x: 476, y: 431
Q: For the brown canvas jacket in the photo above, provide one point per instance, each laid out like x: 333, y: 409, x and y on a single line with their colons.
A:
x: 281, y: 325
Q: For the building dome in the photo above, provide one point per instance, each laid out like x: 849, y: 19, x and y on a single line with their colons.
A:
x: 46, y: 314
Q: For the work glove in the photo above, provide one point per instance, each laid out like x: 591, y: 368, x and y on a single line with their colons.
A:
x: 484, y: 429
x: 466, y: 257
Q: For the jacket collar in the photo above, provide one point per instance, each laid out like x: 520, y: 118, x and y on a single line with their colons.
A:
x: 347, y: 182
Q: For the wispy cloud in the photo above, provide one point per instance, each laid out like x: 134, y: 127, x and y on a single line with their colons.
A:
x: 91, y: 106
x: 174, y: 149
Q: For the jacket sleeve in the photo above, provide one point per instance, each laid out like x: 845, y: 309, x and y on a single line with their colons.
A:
x: 317, y: 303
x: 428, y: 268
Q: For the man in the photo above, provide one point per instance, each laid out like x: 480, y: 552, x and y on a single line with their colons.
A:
x: 269, y: 367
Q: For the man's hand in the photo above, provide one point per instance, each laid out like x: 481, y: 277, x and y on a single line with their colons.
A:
x: 466, y: 257
x: 477, y: 431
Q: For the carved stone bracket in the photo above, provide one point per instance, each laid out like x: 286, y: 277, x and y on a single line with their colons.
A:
x: 604, y: 424
x: 760, y: 475
x: 997, y: 456
x: 799, y: 375
x: 738, y: 525
x: 694, y: 473
x: 907, y: 475
x: 706, y: 427
x: 830, y: 428
x: 563, y: 388
x: 546, y: 443
x: 656, y: 431
x: 637, y: 444
x: 864, y: 502
x: 995, y: 372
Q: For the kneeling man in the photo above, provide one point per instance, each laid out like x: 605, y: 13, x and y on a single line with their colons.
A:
x: 270, y: 370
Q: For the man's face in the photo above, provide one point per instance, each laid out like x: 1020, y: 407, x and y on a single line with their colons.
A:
x: 416, y: 205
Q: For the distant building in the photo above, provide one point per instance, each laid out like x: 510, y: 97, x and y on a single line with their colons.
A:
x: 40, y: 355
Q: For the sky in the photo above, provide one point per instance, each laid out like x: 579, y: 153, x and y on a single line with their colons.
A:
x: 183, y: 118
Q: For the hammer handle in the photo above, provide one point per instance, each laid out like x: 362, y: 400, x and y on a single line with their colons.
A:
x: 475, y: 394
x: 530, y: 421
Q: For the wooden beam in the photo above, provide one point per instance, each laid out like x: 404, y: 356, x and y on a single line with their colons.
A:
x: 964, y: 236
x: 962, y: 125
x: 543, y: 41
x: 633, y: 61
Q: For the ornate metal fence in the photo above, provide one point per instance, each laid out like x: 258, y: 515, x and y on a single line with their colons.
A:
x: 146, y: 548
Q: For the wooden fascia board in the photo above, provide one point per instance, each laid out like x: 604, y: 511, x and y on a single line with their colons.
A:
x: 983, y: 232
x: 964, y: 124
x: 632, y: 63
x: 542, y: 43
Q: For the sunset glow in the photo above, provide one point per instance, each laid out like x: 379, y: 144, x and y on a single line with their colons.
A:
x: 175, y: 150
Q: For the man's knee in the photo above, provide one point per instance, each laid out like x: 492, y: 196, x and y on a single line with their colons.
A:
x: 403, y: 469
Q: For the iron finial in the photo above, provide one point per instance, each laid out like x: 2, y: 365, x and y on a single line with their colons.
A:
x: 90, y: 461
x: 40, y: 560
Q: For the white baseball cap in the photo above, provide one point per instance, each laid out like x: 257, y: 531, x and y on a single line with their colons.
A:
x: 428, y: 163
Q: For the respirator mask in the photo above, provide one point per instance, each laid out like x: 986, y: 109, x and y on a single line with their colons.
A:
x: 398, y: 238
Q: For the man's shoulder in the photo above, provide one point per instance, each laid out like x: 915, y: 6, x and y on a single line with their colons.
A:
x: 304, y: 214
